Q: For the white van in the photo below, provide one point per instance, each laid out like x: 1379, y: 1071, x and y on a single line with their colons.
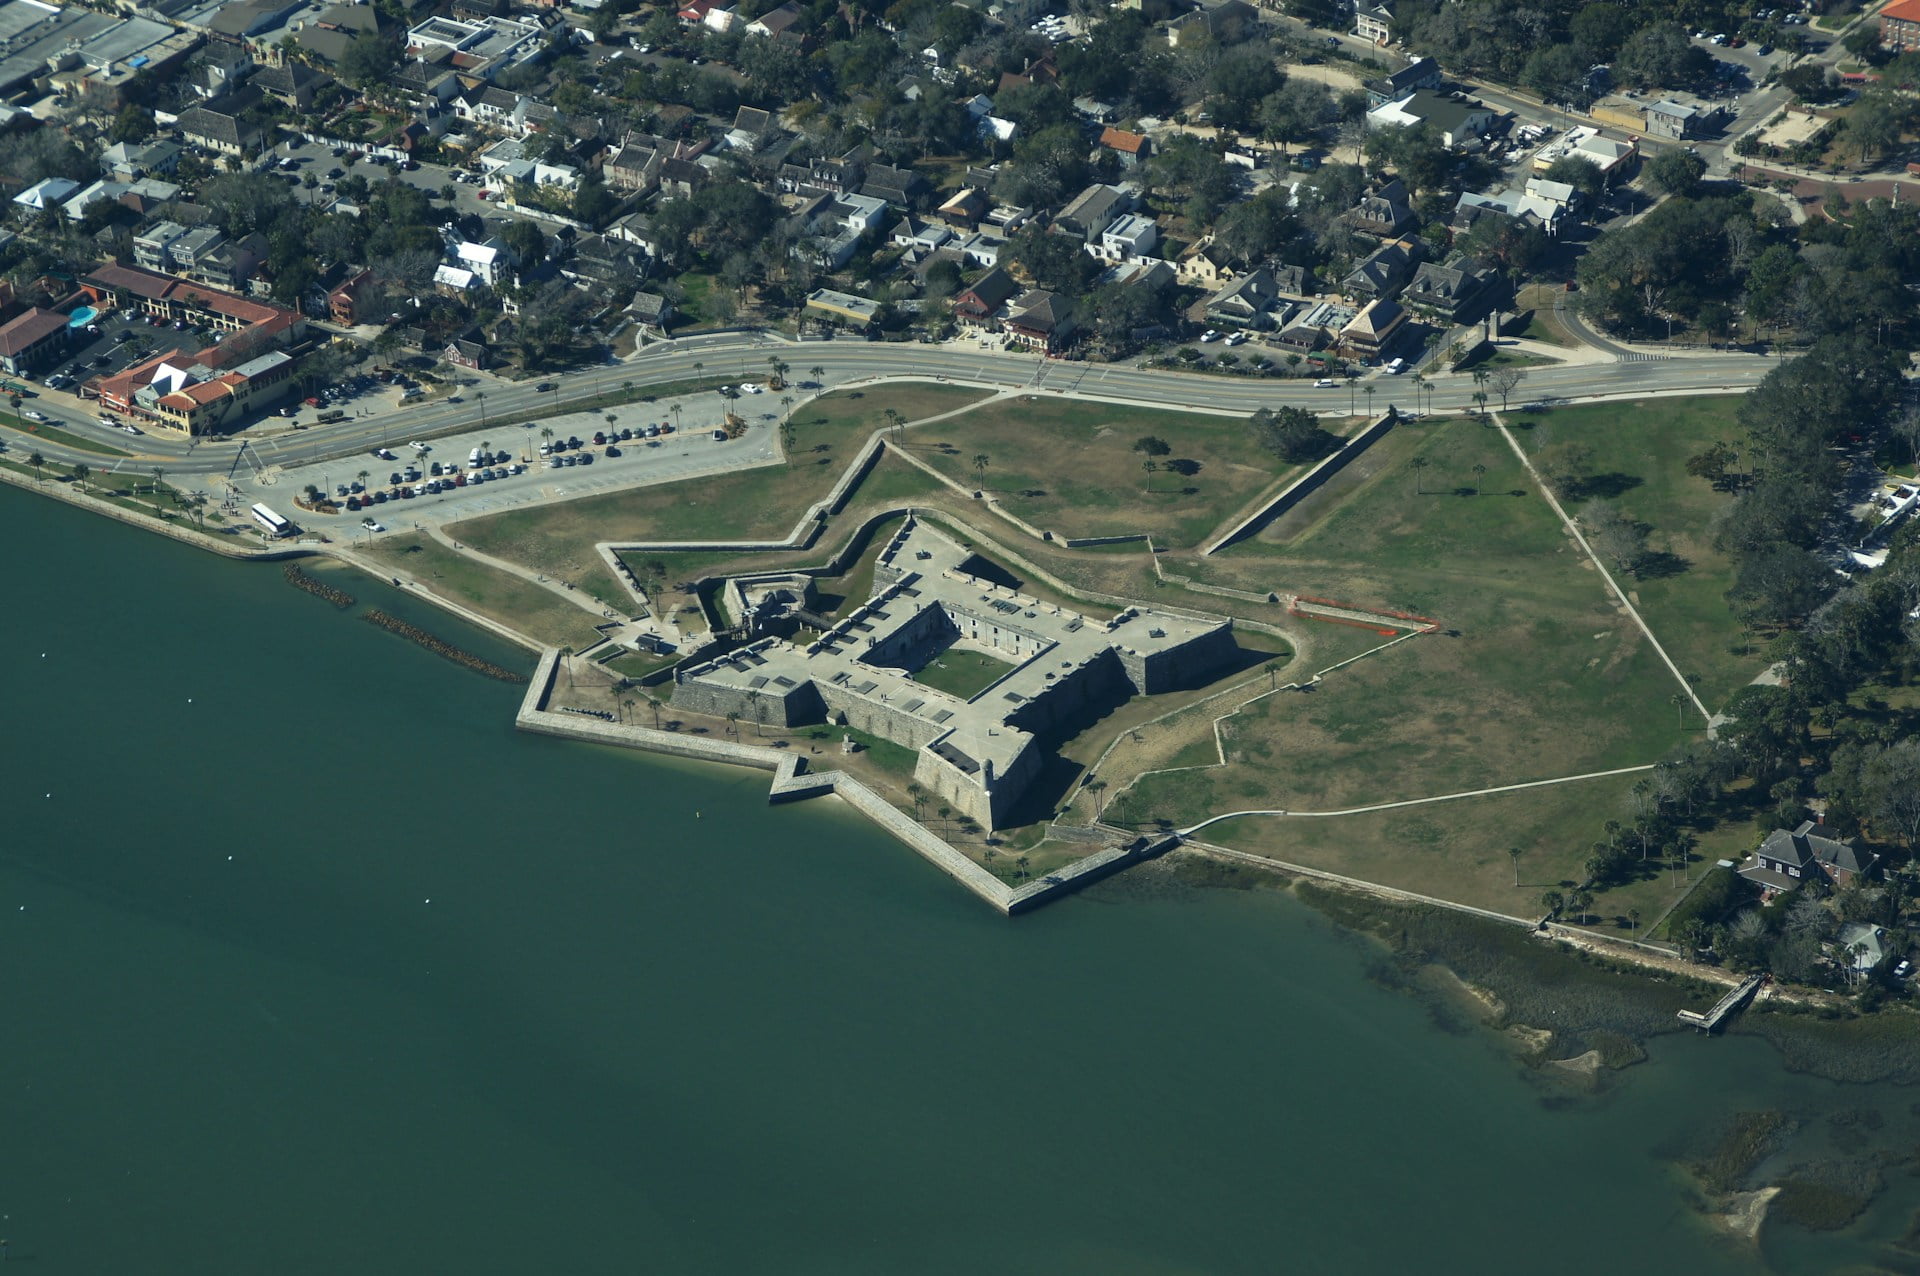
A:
x: 473, y: 457
x: 1395, y: 368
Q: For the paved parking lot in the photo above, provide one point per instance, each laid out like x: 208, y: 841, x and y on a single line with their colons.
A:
x: 328, y: 169
x: 120, y: 343
x: 689, y: 452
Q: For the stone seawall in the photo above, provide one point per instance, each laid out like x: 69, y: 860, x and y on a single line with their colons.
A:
x: 213, y: 544
x: 791, y: 783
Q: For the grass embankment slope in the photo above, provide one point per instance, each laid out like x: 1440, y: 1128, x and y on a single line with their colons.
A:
x: 520, y: 605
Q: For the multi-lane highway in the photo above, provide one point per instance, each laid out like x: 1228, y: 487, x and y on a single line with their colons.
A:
x: 743, y: 356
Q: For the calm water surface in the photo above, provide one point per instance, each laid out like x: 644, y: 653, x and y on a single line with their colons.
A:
x: 309, y: 963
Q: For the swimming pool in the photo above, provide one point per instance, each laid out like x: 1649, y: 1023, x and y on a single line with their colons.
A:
x: 82, y: 317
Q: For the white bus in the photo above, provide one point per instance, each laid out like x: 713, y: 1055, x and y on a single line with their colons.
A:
x: 271, y: 522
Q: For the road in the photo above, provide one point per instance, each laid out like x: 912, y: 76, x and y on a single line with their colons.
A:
x: 848, y: 363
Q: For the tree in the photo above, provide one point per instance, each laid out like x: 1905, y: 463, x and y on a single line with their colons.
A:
x: 81, y: 473
x: 38, y: 463
x: 1779, y: 586
x: 980, y: 462
x: 1291, y: 433
x: 1419, y: 465
x: 1553, y: 902
x: 368, y: 60
x: 132, y: 124
x: 1613, y: 535
x: 1513, y: 853
x: 1676, y: 172
x: 1503, y: 380
x: 1150, y: 466
x: 1564, y: 466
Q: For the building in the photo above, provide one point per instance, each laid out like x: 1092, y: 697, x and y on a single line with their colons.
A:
x: 1421, y: 73
x: 343, y: 301
x: 1132, y: 148
x: 1384, y: 212
x: 1040, y: 320
x: 48, y: 192
x: 980, y: 302
x: 1369, y: 333
x: 131, y: 161
x: 220, y: 129
x: 292, y: 84
x: 782, y: 23
x: 1812, y: 852
x: 1385, y: 270
x: 244, y: 328
x: 1900, y: 26
x: 1861, y: 946
x: 1611, y: 157
x: 1679, y: 119
x: 1128, y: 237
x: 480, y: 49
x: 31, y: 340
x: 1373, y: 22
x: 185, y: 395
x: 842, y: 308
x: 153, y: 247
x: 1449, y: 291
x: 1246, y: 302
x: 1092, y: 211
x: 1455, y: 123
x: 981, y: 754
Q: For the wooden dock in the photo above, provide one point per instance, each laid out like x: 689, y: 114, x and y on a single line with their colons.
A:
x: 1724, y: 1007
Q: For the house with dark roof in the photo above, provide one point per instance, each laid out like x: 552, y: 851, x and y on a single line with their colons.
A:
x: 293, y: 84
x: 1092, y: 211
x: 1421, y: 73
x: 650, y: 310
x: 1452, y: 291
x: 1246, y: 302
x: 1384, y: 271
x: 220, y: 127
x: 1786, y: 860
x: 1369, y: 333
x: 1040, y: 320
x: 343, y: 300
x: 980, y: 301
x: 901, y: 187
x: 1223, y: 24
x: 1384, y: 212
x: 783, y: 23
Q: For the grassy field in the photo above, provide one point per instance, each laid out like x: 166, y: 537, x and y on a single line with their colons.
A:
x: 1640, y: 450
x: 1535, y: 676
x: 761, y: 503
x: 962, y: 673
x: 1458, y: 851
x: 1070, y: 466
x: 539, y: 613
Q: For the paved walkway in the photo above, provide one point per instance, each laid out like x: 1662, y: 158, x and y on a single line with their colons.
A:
x: 1425, y: 801
x: 1619, y: 594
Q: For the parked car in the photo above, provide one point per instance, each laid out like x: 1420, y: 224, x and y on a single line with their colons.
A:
x: 1326, y: 383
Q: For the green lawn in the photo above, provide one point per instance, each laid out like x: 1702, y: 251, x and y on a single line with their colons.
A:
x: 962, y: 673
x: 1535, y: 676
x: 520, y: 605
x: 1069, y: 466
x: 763, y: 503
x: 1640, y: 450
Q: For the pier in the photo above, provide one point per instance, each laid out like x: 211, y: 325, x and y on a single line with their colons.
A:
x: 1724, y: 1007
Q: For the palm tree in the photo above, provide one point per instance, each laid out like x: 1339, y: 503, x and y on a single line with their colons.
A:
x: 733, y: 722
x: 1021, y: 864
x: 698, y: 368
x: 546, y: 434
x: 1480, y: 402
x: 480, y: 397
x: 653, y: 703
x: 1368, y: 391
x: 675, y: 409
x: 894, y: 421
x: 158, y: 474
x: 1679, y: 702
x: 817, y: 373
x: 786, y: 408
x: 626, y: 708
x: 1419, y: 384
x: 566, y: 658
x: 81, y: 473
x: 1513, y: 853
x: 1418, y: 463
x: 363, y: 476
x: 1098, y: 788
x: 1633, y: 916
x: 1580, y: 901
x: 779, y: 370
x: 918, y: 796
x: 1149, y: 465
x: 753, y: 700
x: 980, y: 462
x: 38, y: 462
x: 1553, y: 902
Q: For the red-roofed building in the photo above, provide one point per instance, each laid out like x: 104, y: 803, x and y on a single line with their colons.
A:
x: 1900, y: 26
x: 31, y: 340
x: 1131, y: 147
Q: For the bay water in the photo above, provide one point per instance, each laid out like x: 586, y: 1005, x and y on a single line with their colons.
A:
x: 310, y: 963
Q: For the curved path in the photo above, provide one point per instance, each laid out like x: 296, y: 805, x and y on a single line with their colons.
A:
x: 1425, y: 801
